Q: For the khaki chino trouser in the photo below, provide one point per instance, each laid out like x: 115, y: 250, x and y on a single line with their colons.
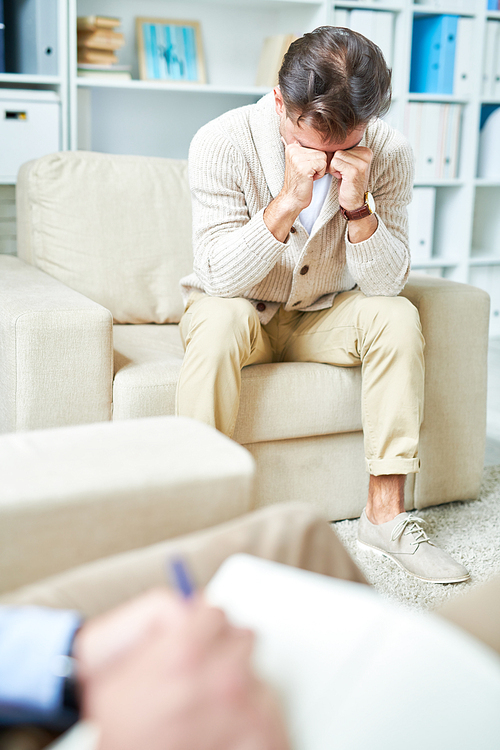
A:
x: 381, y: 334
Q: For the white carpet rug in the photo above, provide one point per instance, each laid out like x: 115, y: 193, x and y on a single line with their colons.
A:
x: 470, y: 531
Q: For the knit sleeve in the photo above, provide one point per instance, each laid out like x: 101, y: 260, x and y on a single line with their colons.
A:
x: 232, y: 246
x: 380, y: 265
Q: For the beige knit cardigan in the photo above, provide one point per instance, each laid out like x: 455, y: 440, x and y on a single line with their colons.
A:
x: 237, y: 166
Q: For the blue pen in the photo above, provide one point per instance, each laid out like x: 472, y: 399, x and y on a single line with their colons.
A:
x: 181, y: 577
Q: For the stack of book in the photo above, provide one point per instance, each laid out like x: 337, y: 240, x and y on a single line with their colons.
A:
x: 491, y: 61
x: 98, y: 41
x: 376, y: 25
x: 434, y: 133
x: 271, y: 57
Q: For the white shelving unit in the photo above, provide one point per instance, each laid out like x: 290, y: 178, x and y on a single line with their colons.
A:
x: 59, y: 84
x: 144, y: 117
x: 160, y: 119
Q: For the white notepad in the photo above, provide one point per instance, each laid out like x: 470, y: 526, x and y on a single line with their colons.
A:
x: 356, y: 672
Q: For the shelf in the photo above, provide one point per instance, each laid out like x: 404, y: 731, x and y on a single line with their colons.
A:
x: 439, y: 98
x: 194, y: 88
x: 263, y: 3
x: 352, y: 4
x: 434, y: 263
x: 267, y: 3
x: 484, y: 182
x: 439, y: 183
x: 27, y: 78
x: 432, y: 10
x: 484, y: 261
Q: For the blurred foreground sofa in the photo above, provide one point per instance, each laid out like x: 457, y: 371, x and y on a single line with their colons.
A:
x: 70, y: 495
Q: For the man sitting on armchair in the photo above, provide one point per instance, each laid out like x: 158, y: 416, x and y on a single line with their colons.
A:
x: 300, y: 250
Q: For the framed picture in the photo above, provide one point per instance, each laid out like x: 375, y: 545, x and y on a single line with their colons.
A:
x: 170, y: 50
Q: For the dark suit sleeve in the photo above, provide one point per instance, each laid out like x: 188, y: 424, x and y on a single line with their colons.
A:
x: 34, y: 645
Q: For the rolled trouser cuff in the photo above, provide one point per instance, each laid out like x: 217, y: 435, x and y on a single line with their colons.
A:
x: 378, y: 467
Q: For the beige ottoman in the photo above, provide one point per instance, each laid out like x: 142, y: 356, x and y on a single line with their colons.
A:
x: 74, y: 494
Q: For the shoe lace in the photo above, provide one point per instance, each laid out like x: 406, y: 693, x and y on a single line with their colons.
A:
x: 411, y: 525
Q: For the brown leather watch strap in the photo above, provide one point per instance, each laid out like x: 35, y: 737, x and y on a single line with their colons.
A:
x: 358, y: 213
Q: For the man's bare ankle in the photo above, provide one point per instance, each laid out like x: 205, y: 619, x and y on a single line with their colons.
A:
x: 380, y: 516
x: 385, y: 498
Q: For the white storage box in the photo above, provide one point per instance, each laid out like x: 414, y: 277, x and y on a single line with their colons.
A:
x: 30, y: 126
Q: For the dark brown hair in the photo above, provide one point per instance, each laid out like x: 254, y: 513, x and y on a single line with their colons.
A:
x: 334, y: 80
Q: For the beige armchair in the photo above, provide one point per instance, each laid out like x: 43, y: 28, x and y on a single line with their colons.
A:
x: 88, y: 333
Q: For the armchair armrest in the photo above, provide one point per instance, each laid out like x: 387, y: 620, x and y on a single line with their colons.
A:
x: 455, y: 321
x: 56, y: 352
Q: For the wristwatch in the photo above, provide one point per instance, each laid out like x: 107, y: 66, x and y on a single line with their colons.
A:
x: 71, y: 694
x: 69, y: 708
x: 366, y: 209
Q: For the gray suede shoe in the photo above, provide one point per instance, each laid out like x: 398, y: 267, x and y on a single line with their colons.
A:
x: 404, y: 541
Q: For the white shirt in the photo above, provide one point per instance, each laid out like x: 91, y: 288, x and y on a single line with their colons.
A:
x: 320, y: 190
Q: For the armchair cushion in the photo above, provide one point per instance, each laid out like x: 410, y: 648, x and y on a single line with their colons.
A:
x: 278, y: 401
x: 115, y: 228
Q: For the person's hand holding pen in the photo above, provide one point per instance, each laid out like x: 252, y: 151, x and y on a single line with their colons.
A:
x: 168, y: 671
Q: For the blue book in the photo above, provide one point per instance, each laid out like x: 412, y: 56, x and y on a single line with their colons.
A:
x: 424, y: 55
x: 492, y: 5
x: 2, y: 40
x: 433, y: 54
x: 449, y: 25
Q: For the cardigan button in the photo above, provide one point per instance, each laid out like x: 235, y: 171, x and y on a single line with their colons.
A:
x: 261, y: 306
x: 304, y: 270
x: 292, y: 230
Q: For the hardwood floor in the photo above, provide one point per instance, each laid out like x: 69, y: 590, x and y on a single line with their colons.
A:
x: 492, y: 456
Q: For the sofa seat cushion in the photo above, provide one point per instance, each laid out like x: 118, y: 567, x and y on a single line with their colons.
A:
x: 278, y: 401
